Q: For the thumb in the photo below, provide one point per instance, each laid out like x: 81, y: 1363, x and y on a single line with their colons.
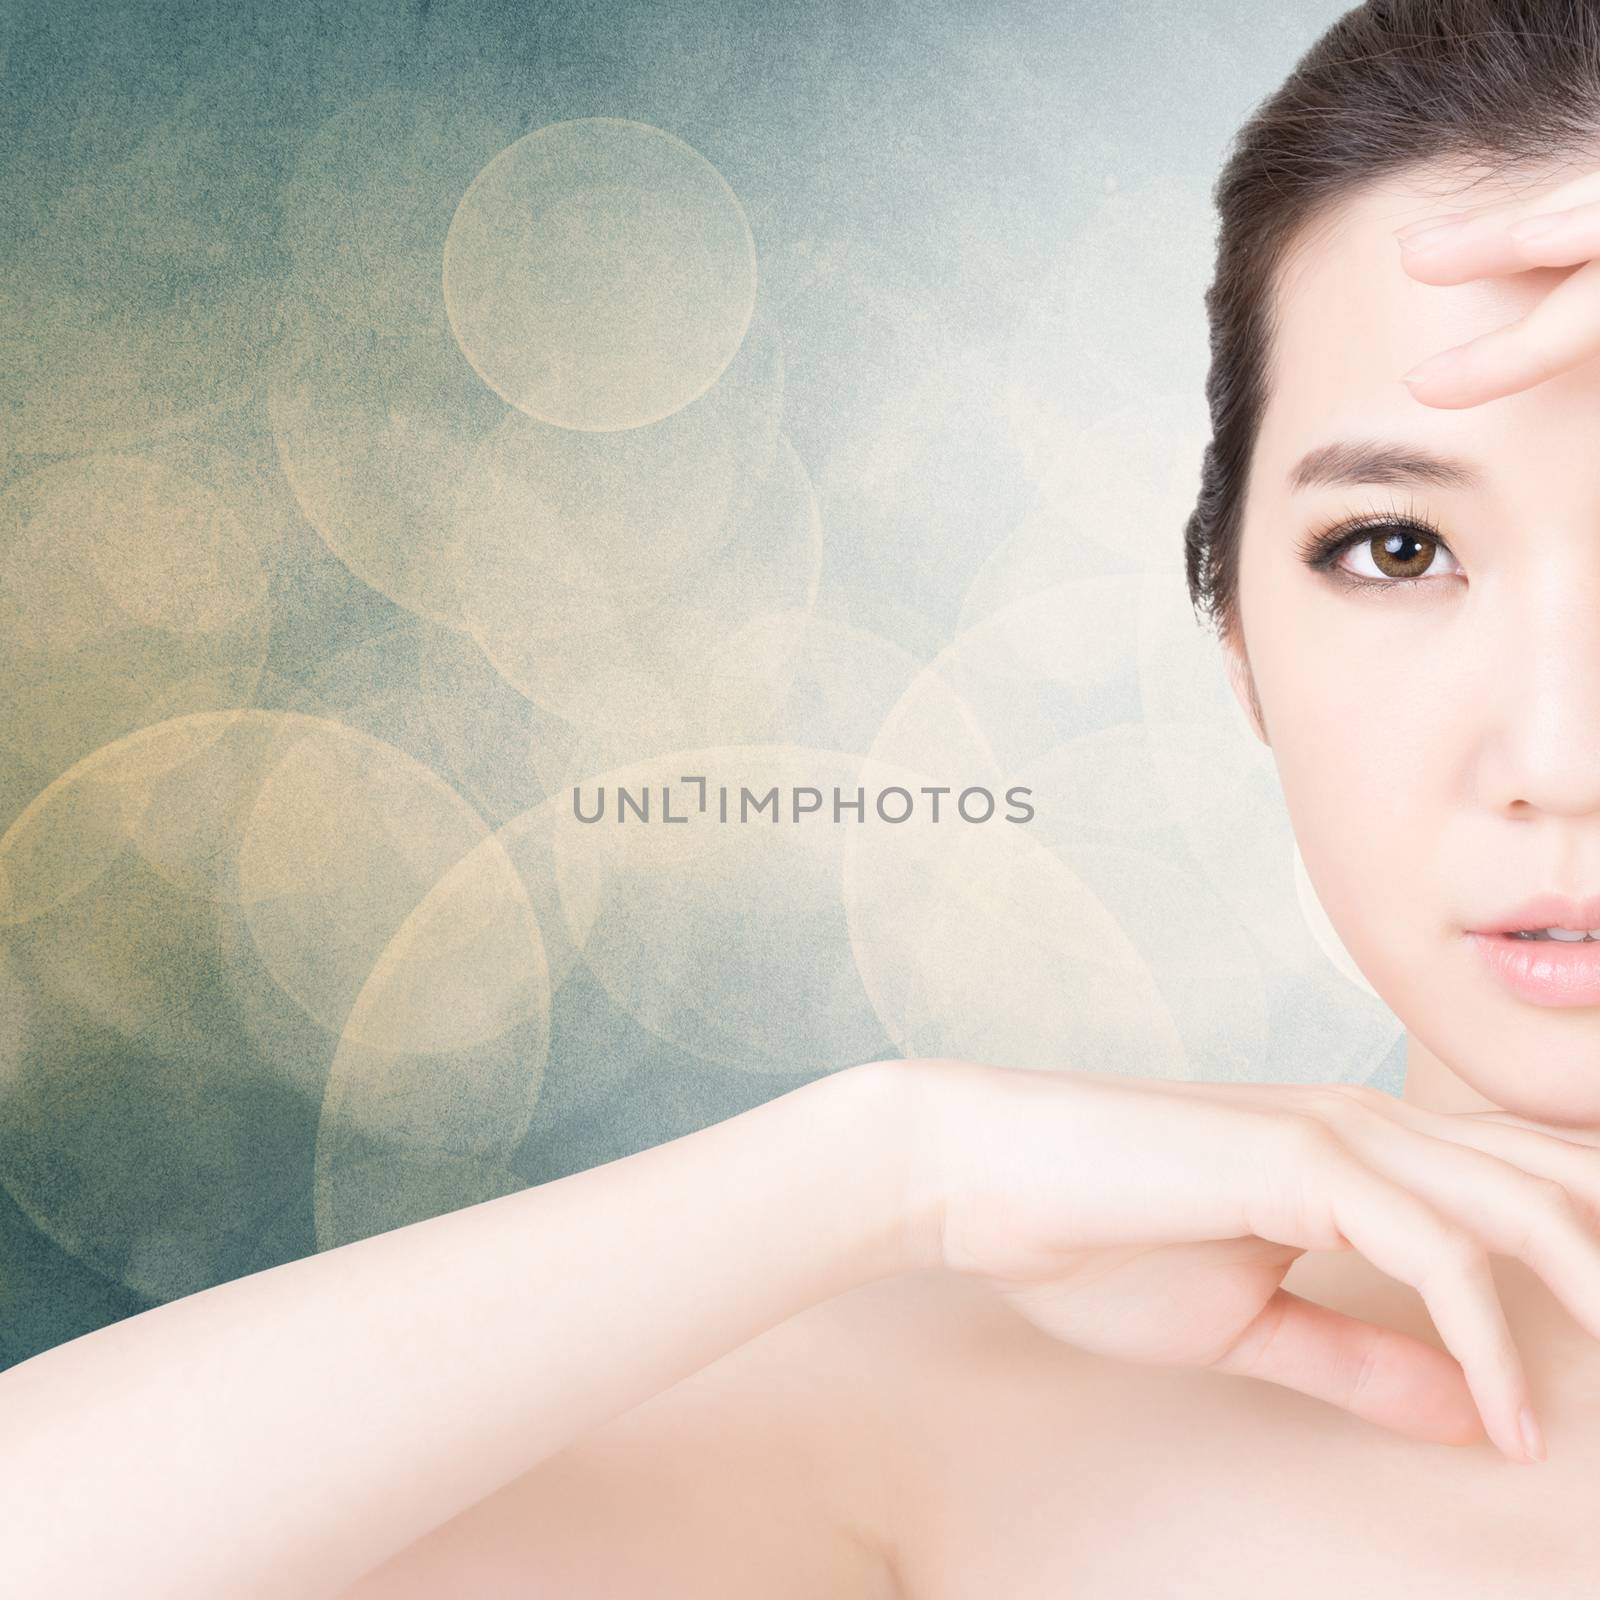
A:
x: 1378, y: 1373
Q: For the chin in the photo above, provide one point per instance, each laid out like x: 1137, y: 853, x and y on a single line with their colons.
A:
x: 1535, y: 1061
x: 1542, y: 1065
x: 1567, y: 1101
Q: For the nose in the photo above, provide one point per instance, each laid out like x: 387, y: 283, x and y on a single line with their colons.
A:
x: 1549, y: 723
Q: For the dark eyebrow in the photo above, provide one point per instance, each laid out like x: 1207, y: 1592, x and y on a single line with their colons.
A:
x: 1366, y: 461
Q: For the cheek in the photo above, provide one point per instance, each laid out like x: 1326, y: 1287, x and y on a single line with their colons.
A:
x: 1376, y: 721
x: 1363, y: 788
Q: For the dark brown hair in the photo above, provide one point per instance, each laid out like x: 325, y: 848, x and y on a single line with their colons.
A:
x: 1496, y: 85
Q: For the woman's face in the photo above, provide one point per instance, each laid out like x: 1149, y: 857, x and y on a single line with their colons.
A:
x: 1438, y: 741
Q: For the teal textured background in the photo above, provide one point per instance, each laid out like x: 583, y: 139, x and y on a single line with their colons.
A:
x: 412, y: 412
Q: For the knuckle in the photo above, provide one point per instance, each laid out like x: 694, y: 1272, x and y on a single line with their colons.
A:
x: 1551, y: 1195
x: 1306, y: 1138
x: 1369, y: 1098
x: 1245, y: 1351
x: 1455, y: 1254
x: 1334, y: 1102
x: 1320, y: 1100
x: 1364, y: 1363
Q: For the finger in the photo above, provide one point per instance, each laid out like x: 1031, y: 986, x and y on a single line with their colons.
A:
x: 1501, y: 1204
x: 1325, y: 1189
x: 1535, y: 1147
x: 1475, y: 247
x: 1378, y: 1373
x: 1566, y: 1155
x: 1586, y: 1136
x: 1558, y: 238
x: 1331, y: 1096
x: 1505, y: 245
x: 1576, y: 191
x: 1554, y: 1150
x: 1562, y: 330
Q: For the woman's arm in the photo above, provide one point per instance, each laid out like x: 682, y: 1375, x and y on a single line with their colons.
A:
x: 284, y: 1433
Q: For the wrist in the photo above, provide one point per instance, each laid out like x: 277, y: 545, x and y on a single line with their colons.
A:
x: 888, y: 1107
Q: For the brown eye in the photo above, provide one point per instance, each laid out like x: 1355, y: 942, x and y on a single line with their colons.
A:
x: 1400, y: 553
x: 1382, y: 554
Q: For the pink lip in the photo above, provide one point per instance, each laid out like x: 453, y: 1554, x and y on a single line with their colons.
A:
x: 1544, y: 971
x: 1546, y: 911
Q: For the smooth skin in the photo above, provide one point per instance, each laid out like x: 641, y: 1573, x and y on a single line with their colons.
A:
x: 1104, y: 1209
x: 280, y: 1434
x: 1421, y: 1194
x: 1561, y: 330
x: 287, y: 1432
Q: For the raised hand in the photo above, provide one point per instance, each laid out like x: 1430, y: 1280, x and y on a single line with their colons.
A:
x: 1559, y: 228
x: 1154, y: 1220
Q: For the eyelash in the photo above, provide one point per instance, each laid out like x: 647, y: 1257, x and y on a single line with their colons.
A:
x: 1322, y: 547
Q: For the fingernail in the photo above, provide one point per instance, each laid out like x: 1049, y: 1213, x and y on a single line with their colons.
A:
x: 1432, y: 238
x: 1423, y: 222
x: 1532, y: 1438
x: 1442, y: 365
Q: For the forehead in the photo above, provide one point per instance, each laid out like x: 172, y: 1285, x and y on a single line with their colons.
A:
x: 1350, y: 320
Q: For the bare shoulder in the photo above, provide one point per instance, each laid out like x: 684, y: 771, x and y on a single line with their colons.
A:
x: 794, y: 1465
